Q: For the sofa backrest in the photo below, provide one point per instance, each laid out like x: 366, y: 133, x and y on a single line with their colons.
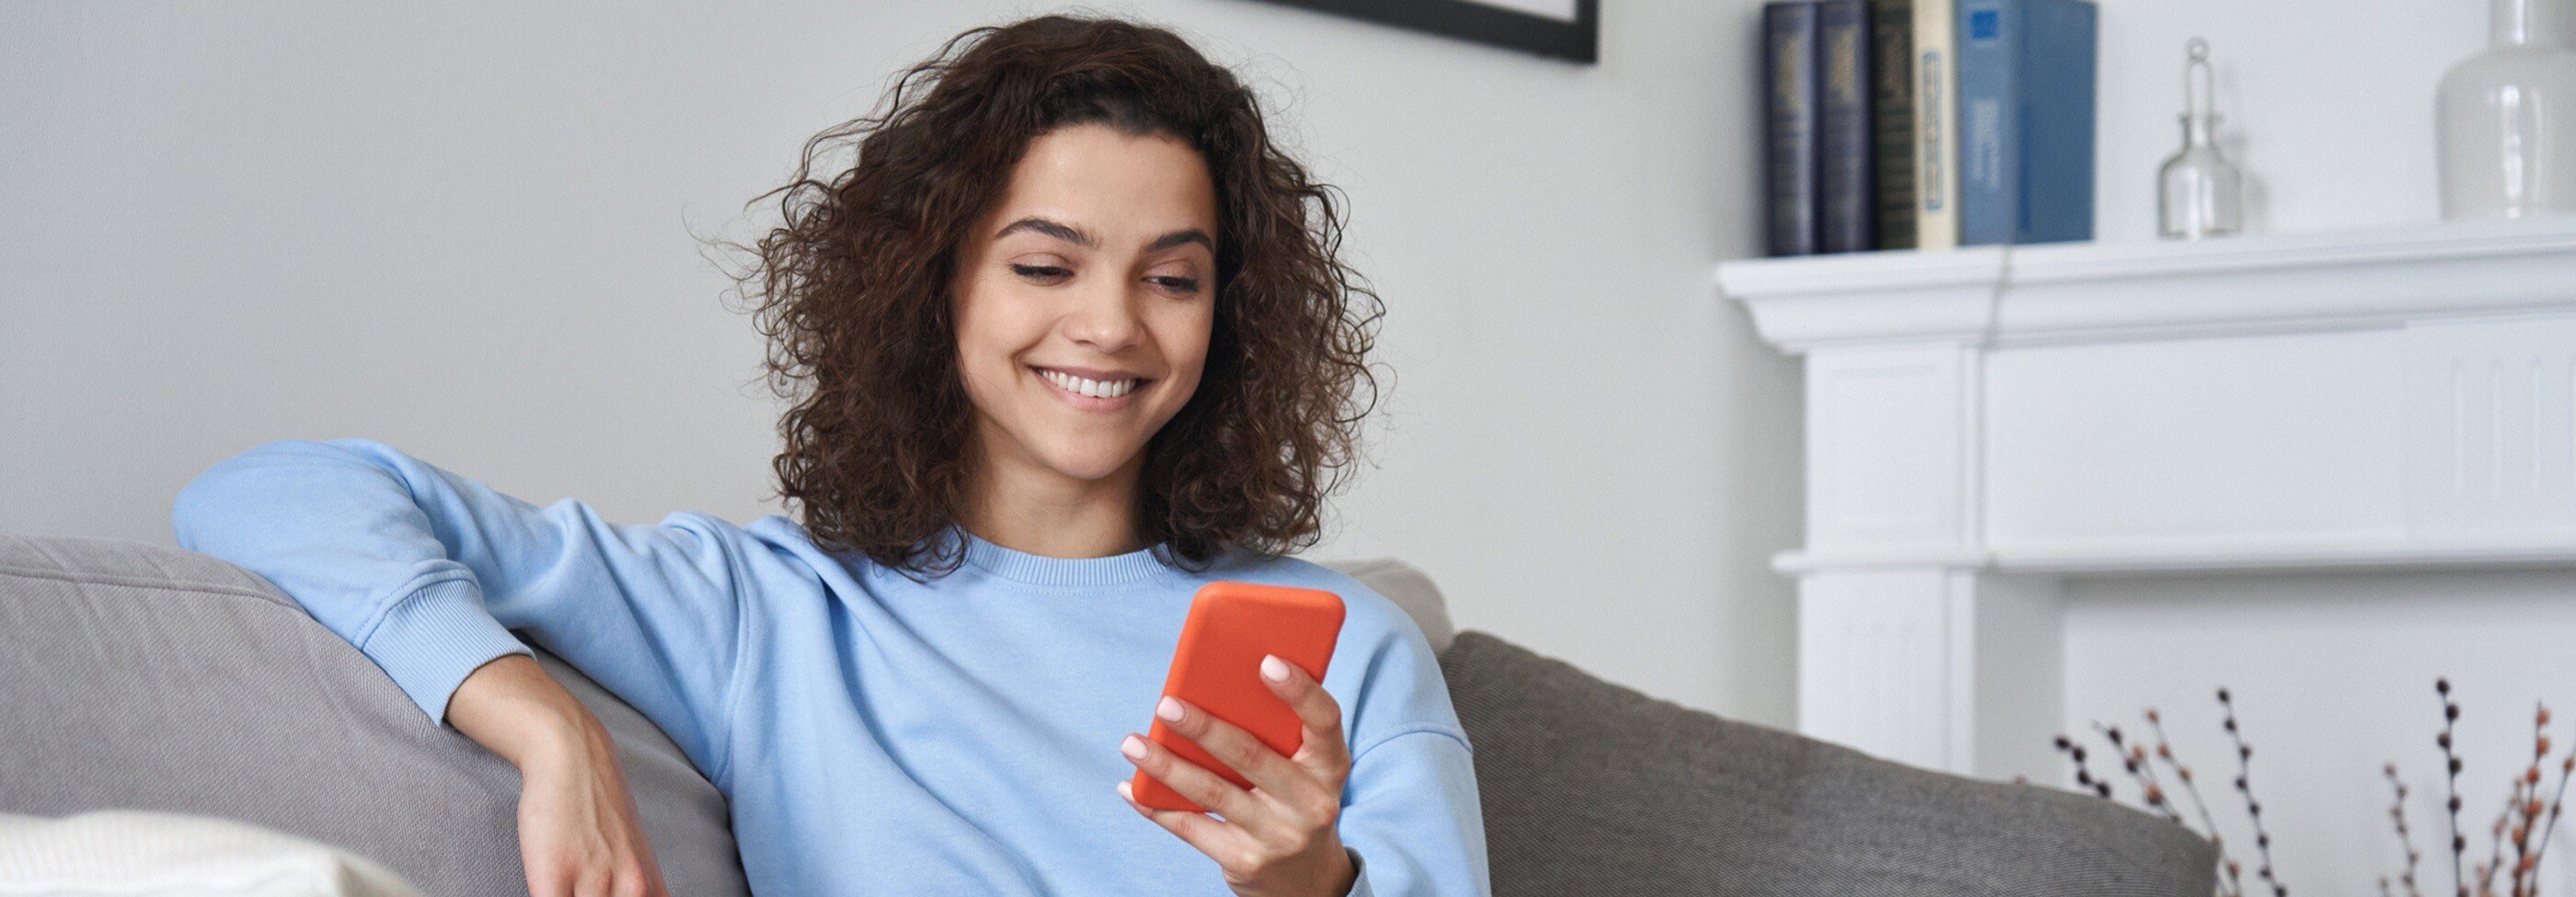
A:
x: 1409, y: 588
x: 1591, y: 788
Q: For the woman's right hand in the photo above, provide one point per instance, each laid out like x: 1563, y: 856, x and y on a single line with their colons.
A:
x: 580, y: 834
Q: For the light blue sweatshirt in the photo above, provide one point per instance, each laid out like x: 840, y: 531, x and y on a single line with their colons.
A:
x: 872, y: 734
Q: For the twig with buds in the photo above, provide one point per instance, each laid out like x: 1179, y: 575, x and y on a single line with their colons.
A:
x: 2083, y: 777
x: 2133, y: 757
x: 2459, y: 845
x: 2253, y: 808
x: 2182, y: 773
x: 2486, y: 871
x: 2405, y: 838
x: 2557, y: 801
x: 2526, y: 866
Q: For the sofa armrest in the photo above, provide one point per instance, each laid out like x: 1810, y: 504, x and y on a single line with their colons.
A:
x: 141, y: 676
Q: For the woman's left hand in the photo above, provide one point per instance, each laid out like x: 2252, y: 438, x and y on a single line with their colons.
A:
x: 1277, y: 839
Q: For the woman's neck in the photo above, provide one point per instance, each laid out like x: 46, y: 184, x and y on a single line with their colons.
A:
x: 1023, y: 505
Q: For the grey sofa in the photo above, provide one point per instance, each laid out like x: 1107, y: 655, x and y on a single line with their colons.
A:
x: 146, y: 677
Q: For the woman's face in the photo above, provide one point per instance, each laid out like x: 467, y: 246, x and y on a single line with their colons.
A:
x: 1085, y: 298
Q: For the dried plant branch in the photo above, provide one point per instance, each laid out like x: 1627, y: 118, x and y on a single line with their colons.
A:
x: 2253, y: 808
x: 2182, y: 773
x: 2527, y: 823
x: 2133, y: 757
x: 2557, y: 802
x: 2405, y: 838
x: 2459, y: 845
x: 2527, y: 806
x: 2083, y: 777
x: 2495, y: 856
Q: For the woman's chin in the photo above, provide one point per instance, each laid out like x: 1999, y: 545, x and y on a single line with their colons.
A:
x: 1088, y: 465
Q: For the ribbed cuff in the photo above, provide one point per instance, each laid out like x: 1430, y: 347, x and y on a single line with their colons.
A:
x: 1359, y: 874
x: 431, y: 639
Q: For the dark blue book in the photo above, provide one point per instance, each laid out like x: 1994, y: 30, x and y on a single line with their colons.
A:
x: 1891, y: 75
x: 1789, y: 127
x: 1847, y: 215
x: 2026, y: 77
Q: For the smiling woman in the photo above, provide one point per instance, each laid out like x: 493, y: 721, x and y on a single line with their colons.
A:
x: 1066, y: 343
x: 1040, y: 204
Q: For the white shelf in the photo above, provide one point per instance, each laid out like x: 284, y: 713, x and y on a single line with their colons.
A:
x: 2094, y: 291
x: 2111, y: 558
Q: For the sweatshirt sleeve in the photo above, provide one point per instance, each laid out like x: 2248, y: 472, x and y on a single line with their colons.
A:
x: 1410, y: 811
x: 426, y: 572
x: 1410, y: 814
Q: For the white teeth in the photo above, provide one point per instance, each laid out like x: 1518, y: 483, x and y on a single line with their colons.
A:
x: 1093, y: 388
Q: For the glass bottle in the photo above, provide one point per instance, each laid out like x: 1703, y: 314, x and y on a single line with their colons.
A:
x: 2199, y: 193
x: 2507, y: 118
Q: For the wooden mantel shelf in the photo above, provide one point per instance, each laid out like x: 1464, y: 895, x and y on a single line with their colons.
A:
x: 2061, y: 291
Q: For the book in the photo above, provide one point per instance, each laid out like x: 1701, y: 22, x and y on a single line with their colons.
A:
x: 1789, y: 127
x: 1936, y: 136
x: 1891, y: 112
x: 2026, y: 79
x: 1847, y: 202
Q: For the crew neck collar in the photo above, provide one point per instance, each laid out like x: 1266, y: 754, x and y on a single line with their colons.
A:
x: 1038, y: 569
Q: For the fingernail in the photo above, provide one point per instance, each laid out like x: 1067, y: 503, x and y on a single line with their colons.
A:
x: 1133, y: 747
x: 1274, y: 668
x: 1169, y: 710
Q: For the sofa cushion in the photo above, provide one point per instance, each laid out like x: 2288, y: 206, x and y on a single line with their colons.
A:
x: 1591, y: 788
x: 137, y: 676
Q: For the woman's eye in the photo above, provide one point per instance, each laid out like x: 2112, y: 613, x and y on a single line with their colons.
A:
x: 1046, y: 273
x: 1178, y: 284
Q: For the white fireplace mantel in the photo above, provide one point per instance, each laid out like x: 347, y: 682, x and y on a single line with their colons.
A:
x: 1986, y: 423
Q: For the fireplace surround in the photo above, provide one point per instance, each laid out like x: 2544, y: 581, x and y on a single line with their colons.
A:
x: 1986, y: 425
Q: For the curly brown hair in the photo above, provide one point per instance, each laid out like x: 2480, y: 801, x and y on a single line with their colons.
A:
x: 852, y: 291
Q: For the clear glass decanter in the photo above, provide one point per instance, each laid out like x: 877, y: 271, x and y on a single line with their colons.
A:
x: 2199, y: 193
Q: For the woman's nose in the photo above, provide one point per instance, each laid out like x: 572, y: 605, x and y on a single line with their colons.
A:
x: 1105, y: 316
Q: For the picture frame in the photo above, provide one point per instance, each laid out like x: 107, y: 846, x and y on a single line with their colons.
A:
x: 1511, y: 24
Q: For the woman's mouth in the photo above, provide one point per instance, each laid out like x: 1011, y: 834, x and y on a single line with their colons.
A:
x: 1087, y: 394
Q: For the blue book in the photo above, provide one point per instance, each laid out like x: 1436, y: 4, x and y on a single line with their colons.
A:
x: 1891, y: 121
x: 1790, y: 214
x: 2026, y: 77
x: 1847, y: 198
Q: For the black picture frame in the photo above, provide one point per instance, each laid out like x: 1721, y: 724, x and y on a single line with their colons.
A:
x: 1575, y: 41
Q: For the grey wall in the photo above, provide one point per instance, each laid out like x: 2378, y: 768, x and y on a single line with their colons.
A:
x: 466, y: 229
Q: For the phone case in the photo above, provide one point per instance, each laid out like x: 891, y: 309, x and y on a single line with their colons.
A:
x: 1217, y: 668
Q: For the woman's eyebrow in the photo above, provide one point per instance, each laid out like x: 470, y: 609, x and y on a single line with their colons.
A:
x: 1056, y: 229
x: 1083, y: 238
x: 1180, y: 238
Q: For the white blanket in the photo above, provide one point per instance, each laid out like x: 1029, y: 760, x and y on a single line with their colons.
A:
x: 130, y: 853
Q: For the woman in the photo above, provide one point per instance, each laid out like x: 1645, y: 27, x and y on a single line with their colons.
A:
x: 1068, y: 340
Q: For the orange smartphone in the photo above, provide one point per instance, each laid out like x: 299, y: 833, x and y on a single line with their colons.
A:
x: 1217, y: 668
